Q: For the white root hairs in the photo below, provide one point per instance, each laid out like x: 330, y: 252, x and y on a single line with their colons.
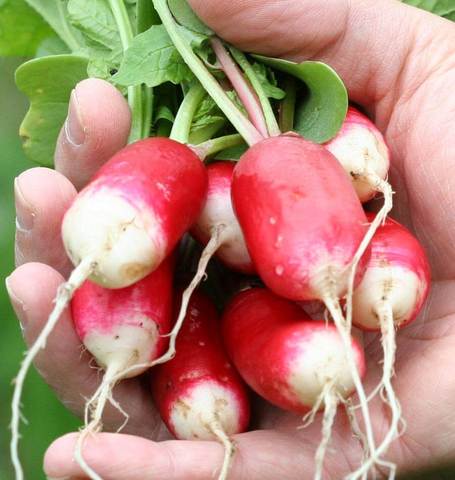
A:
x: 387, y: 392
x: 94, y: 408
x: 208, y: 252
x: 344, y: 331
x: 330, y: 398
x: 64, y: 294
x: 380, y: 186
x: 229, y: 449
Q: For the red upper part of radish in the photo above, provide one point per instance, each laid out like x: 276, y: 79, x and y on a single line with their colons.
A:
x: 134, y: 211
x: 199, y: 386
x: 300, y: 215
x: 283, y: 355
x: 360, y: 148
x: 218, y: 211
x: 397, y: 273
x: 124, y: 326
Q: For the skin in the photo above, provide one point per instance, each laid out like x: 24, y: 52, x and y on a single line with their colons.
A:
x: 398, y: 63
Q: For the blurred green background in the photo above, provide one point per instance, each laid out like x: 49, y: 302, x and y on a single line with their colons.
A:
x: 47, y: 418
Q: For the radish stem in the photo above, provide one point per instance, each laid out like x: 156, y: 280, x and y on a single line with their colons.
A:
x: 238, y: 120
x: 244, y: 90
x: 134, y: 93
x: 269, y: 115
x: 215, y: 145
x: 184, y: 118
x: 287, y: 108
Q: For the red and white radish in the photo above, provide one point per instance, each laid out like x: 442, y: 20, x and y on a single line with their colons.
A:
x: 292, y: 361
x: 361, y: 149
x: 218, y: 214
x: 304, y: 227
x: 121, y: 328
x: 198, y: 392
x: 390, y: 296
x: 122, y: 226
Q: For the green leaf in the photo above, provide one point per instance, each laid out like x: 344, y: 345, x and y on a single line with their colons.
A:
x: 56, y: 15
x: 185, y: 16
x: 95, y: 20
x: 51, y: 46
x: 152, y: 59
x: 268, y: 81
x: 321, y: 112
x: 232, y: 153
x: 444, y: 8
x: 48, y: 83
x: 21, y: 29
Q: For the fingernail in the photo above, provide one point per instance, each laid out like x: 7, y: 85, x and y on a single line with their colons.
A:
x: 25, y: 217
x: 74, y: 125
x: 17, y: 304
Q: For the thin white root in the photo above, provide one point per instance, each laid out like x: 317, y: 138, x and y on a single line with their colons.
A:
x: 229, y: 448
x: 385, y: 314
x: 380, y: 186
x: 355, y: 427
x: 208, y: 252
x: 331, y: 403
x: 334, y: 308
x: 94, y: 408
x: 63, y: 298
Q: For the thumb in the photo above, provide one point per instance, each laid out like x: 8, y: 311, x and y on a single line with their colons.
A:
x: 377, y: 46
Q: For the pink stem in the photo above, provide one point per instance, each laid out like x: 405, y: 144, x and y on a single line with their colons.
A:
x: 244, y: 90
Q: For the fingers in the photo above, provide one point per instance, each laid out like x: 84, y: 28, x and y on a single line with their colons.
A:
x: 355, y: 37
x: 63, y: 364
x: 97, y: 126
x: 42, y: 197
x: 264, y: 455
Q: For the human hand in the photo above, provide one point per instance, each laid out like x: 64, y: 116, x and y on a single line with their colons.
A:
x: 398, y: 63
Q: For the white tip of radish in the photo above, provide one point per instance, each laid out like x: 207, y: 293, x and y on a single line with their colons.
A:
x: 124, y: 345
x: 218, y: 211
x: 360, y: 148
x: 399, y: 287
x: 119, y: 236
x: 322, y: 362
x: 205, y: 403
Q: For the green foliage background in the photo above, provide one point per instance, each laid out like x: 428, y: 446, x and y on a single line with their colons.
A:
x: 47, y: 418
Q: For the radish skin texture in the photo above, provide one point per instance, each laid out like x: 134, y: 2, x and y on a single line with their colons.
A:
x: 301, y: 217
x: 124, y: 327
x: 360, y: 148
x: 282, y: 354
x: 218, y: 211
x: 135, y: 210
x: 199, y: 386
x: 398, y: 273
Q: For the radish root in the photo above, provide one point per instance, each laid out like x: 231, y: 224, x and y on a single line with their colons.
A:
x: 94, y: 408
x: 212, y: 246
x: 64, y: 294
x: 229, y: 449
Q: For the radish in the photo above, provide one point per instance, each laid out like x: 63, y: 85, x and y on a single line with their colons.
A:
x: 198, y: 393
x: 121, y: 328
x: 122, y: 226
x: 361, y: 149
x: 294, y: 362
x: 389, y: 296
x: 218, y: 219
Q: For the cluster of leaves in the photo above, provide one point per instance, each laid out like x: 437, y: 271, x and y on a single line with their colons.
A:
x: 76, y: 39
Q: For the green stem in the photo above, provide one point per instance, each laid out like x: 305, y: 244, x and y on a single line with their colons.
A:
x: 269, y: 115
x: 145, y: 17
x: 215, y: 145
x: 147, y: 110
x: 163, y: 129
x: 240, y: 122
x: 184, y: 118
x: 206, y: 133
x: 287, y: 108
x: 134, y: 93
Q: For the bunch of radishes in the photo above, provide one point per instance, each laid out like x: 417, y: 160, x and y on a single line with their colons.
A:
x: 290, y: 211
